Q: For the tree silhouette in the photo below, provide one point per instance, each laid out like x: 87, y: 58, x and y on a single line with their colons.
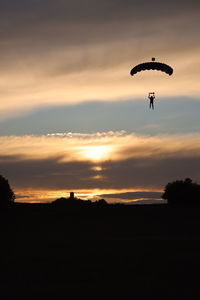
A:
x: 77, y: 202
x: 182, y: 191
x: 6, y: 194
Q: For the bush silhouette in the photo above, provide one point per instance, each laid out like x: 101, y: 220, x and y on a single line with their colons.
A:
x: 71, y: 202
x: 77, y: 202
x: 182, y: 191
x: 6, y: 194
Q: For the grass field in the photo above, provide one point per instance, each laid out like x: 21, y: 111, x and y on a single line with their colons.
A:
x: 111, y: 252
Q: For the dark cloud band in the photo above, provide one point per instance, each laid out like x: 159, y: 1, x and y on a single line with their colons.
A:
x: 132, y: 173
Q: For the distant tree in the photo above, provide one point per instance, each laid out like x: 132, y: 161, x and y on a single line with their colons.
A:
x: 101, y: 202
x: 71, y: 202
x: 76, y: 202
x: 6, y: 194
x: 182, y: 191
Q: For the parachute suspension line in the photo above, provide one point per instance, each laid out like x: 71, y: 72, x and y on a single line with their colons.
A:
x: 152, y: 65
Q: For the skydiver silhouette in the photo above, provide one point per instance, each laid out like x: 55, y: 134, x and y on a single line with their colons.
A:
x: 151, y: 98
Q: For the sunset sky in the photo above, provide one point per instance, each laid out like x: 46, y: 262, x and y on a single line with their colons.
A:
x: 71, y: 116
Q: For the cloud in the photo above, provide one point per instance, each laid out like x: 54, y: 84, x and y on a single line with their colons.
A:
x: 151, y: 173
x: 57, y: 53
x: 133, y: 195
x: 175, y: 116
x: 82, y: 147
x: 139, y: 197
x: 101, y: 161
x: 66, y: 52
x: 44, y: 174
x: 88, y: 136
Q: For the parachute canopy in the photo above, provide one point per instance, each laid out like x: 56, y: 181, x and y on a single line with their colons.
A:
x: 152, y: 66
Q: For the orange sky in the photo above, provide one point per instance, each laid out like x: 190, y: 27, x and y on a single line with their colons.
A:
x: 92, y: 164
x: 72, y: 117
x: 66, y: 60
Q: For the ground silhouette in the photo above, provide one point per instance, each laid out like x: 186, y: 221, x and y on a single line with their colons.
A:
x: 99, y: 252
x: 115, y: 251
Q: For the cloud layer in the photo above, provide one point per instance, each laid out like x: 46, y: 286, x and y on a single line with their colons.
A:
x: 66, y: 52
x: 103, y: 161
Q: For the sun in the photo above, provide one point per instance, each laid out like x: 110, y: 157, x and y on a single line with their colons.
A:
x: 97, y: 153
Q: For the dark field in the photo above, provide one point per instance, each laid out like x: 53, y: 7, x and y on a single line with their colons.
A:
x: 111, y: 252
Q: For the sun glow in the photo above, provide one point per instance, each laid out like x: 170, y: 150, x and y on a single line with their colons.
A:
x: 97, y: 153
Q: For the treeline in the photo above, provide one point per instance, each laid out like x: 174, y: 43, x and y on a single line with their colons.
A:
x: 76, y: 202
x: 7, y: 195
x: 177, y: 192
